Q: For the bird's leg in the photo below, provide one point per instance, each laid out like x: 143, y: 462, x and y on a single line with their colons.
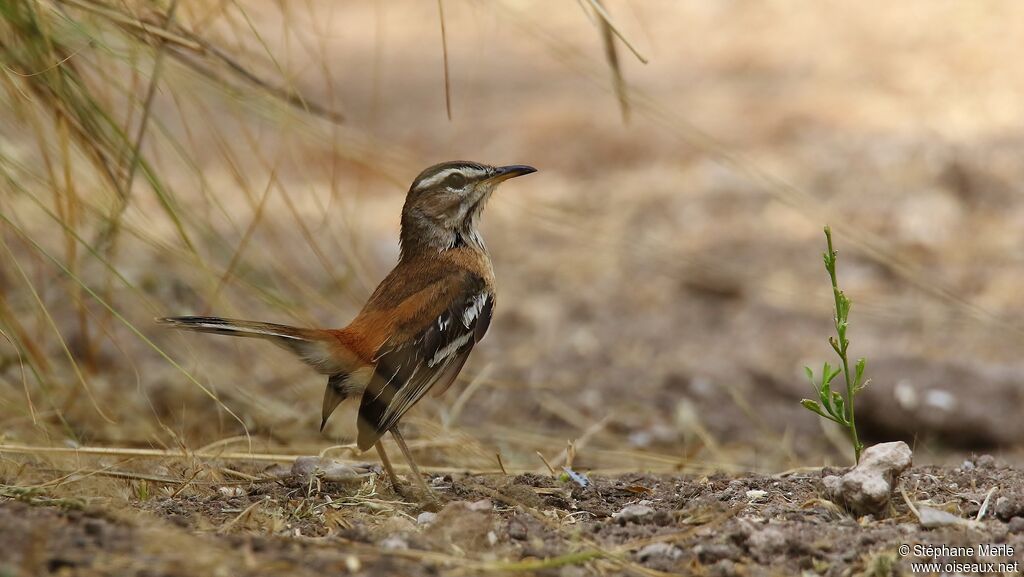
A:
x: 397, y: 434
x: 387, y: 467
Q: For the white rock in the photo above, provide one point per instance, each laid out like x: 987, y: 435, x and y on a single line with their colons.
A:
x: 426, y: 518
x: 932, y: 518
x: 941, y: 400
x: 654, y: 550
x: 327, y: 469
x: 867, y: 487
x: 755, y: 494
x: 353, y: 564
x: 338, y: 472
x: 985, y: 462
x: 906, y: 395
x: 481, y: 505
x: 305, y: 466
x: 232, y: 491
x: 635, y: 513
x: 393, y: 543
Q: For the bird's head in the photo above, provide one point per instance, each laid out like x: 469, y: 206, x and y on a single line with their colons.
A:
x: 442, y: 209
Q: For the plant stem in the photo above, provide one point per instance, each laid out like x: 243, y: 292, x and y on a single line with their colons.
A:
x: 842, y: 308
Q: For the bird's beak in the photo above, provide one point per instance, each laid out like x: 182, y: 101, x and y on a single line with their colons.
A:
x: 503, y: 173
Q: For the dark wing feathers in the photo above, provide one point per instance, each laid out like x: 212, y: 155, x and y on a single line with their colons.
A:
x: 406, y: 368
x: 483, y: 321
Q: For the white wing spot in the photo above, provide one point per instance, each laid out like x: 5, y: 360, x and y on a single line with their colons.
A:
x: 473, y: 311
x: 448, y: 349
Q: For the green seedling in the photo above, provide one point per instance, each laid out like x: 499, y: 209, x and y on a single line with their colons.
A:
x: 833, y: 405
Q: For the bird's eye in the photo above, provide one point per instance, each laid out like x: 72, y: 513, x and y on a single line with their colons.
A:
x: 455, y: 181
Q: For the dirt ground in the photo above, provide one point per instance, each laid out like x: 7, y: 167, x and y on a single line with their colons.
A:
x: 637, y: 524
x: 660, y: 290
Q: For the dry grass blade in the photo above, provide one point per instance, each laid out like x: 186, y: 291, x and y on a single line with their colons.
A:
x: 34, y: 352
x: 35, y: 496
x: 195, y: 61
x: 444, y: 49
x: 24, y: 377
x: 270, y: 53
x: 244, y: 243
x: 63, y: 268
x: 14, y: 448
x: 56, y: 330
x: 545, y: 564
x: 608, y: 33
x: 130, y: 21
x: 226, y: 527
x: 72, y: 96
x: 147, y: 109
x: 28, y: 59
x: 607, y: 19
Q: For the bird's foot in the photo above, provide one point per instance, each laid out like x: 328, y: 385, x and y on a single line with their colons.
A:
x: 419, y: 493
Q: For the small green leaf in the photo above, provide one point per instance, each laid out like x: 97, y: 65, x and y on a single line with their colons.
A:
x: 825, y: 386
x: 840, y: 405
x: 831, y: 374
x: 859, y: 372
x: 811, y: 405
x: 815, y: 408
x: 824, y: 393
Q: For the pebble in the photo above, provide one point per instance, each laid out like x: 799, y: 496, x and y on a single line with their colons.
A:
x: 1008, y: 508
x: 231, y: 491
x: 867, y: 487
x: 304, y: 466
x: 337, y: 472
x: 767, y: 542
x: 711, y: 552
x: 934, y: 518
x: 353, y: 564
x: 1016, y: 525
x: 634, y: 513
x: 328, y: 469
x: 517, y: 530
x: 481, y: 505
x: 426, y: 518
x: 724, y: 568
x: 656, y: 550
x: 393, y: 543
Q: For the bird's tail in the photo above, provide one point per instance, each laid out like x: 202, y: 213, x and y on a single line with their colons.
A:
x: 313, y: 346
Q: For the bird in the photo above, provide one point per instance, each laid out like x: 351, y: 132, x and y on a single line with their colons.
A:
x: 419, y: 325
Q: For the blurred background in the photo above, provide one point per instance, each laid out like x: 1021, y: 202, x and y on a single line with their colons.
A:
x: 660, y: 277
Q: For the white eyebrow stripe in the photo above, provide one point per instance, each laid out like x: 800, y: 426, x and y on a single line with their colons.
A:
x: 469, y: 172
